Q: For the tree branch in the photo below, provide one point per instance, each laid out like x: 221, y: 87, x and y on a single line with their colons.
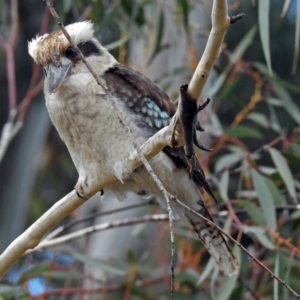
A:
x: 99, y: 227
x: 17, y: 114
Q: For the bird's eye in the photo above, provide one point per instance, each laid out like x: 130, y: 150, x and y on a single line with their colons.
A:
x: 70, y: 53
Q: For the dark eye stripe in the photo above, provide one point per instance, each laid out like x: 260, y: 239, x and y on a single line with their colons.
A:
x: 89, y: 48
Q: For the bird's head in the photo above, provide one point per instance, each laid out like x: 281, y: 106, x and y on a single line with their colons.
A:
x: 60, y: 60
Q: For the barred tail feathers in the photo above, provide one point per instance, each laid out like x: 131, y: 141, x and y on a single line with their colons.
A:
x: 215, y: 243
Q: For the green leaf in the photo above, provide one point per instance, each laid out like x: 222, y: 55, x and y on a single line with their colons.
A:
x: 293, y: 110
x: 67, y: 5
x: 187, y: 277
x: 107, y: 18
x: 297, y: 39
x: 160, y: 31
x: 296, y: 214
x: 63, y: 275
x: 265, y: 199
x: 216, y: 127
x: 226, y: 161
x: 210, y: 266
x: 224, y: 182
x: 229, y: 282
x: 284, y: 172
x: 37, y: 270
x: 276, y: 196
x: 243, y: 45
x: 253, y: 211
x: 227, y: 89
x: 138, y: 229
x: 260, y: 234
x: 217, y: 84
x: 235, y: 56
x: 12, y: 292
x: 100, y: 264
x: 295, y: 148
x: 184, y: 5
x: 263, y: 69
x: 117, y: 43
x: 286, y: 101
x: 259, y: 119
x: 263, y: 21
x: 243, y: 131
x: 134, y: 11
x: 285, y: 8
x: 267, y: 171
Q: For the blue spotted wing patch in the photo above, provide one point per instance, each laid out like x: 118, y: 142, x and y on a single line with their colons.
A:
x: 141, y: 96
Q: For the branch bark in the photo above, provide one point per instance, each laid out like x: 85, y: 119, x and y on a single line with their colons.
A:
x: 99, y: 227
x: 33, y: 235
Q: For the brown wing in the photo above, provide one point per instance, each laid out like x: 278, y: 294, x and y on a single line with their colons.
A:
x: 141, y: 96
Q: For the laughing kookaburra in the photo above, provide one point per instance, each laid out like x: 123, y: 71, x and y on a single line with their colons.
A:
x: 99, y: 144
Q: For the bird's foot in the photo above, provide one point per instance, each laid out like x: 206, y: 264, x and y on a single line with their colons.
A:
x: 191, y: 164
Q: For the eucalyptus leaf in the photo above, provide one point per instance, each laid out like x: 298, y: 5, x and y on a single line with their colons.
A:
x: 226, y: 161
x: 286, y: 101
x: 284, y: 171
x: 243, y: 45
x: 100, y: 264
x: 54, y: 274
x: 259, y: 119
x: 158, y: 43
x: 295, y: 148
x: 276, y: 196
x: 296, y: 214
x: 297, y: 38
x: 285, y: 8
x: 243, y: 132
x: 217, y: 84
x: 224, y: 182
x: 229, y: 282
x: 253, y: 211
x: 263, y: 21
x: 184, y: 5
x: 265, y: 199
x: 36, y: 270
x: 210, y: 266
x: 260, y: 233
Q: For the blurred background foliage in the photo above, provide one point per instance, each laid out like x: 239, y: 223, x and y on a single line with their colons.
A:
x: 252, y: 125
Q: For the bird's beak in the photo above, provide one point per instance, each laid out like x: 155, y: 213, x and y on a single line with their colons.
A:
x: 57, y: 74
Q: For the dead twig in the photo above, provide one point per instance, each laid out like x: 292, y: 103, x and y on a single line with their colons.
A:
x: 99, y: 227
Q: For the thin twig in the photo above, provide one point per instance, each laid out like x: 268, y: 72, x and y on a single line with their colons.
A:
x: 61, y: 229
x: 252, y: 154
x: 239, y: 245
x: 97, y: 228
x: 17, y: 114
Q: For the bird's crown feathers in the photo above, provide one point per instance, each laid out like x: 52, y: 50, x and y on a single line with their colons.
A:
x: 43, y: 47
